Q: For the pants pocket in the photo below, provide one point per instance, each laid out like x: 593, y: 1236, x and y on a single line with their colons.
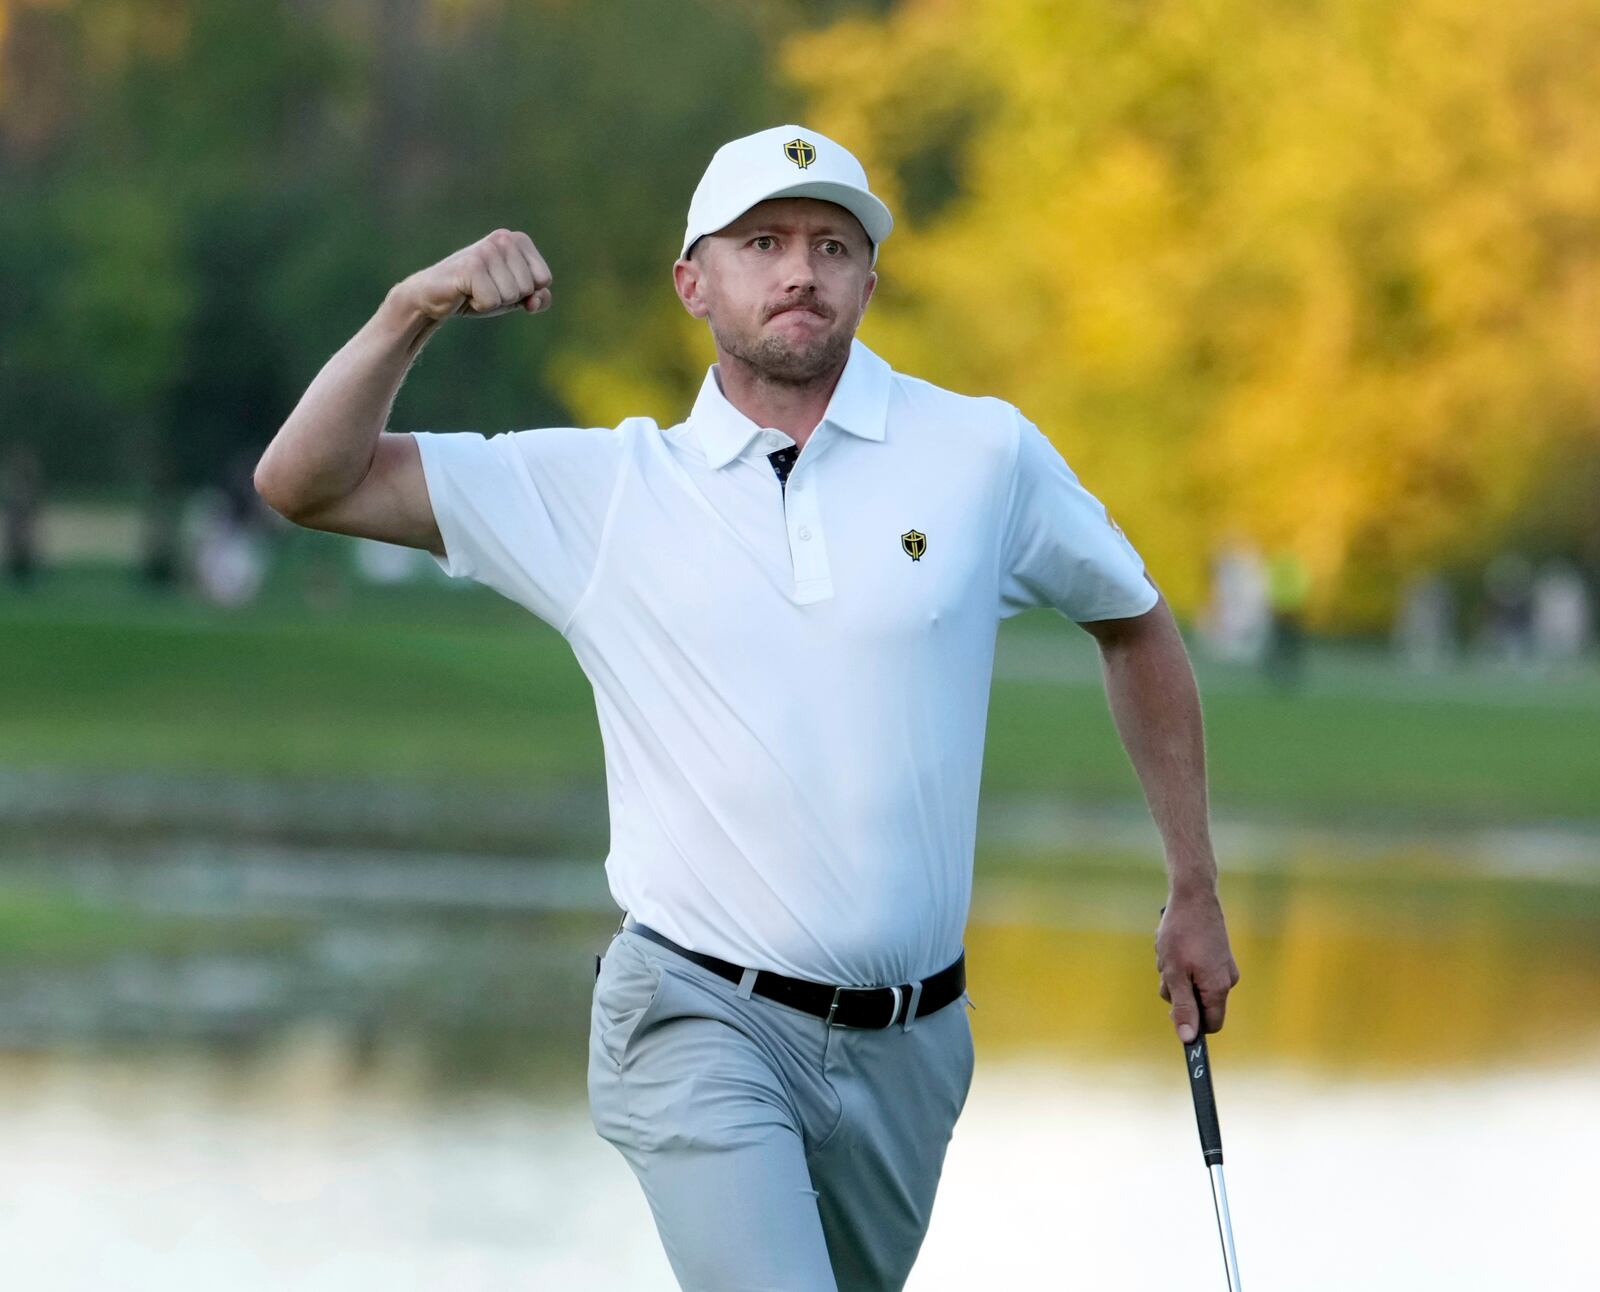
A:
x: 628, y: 986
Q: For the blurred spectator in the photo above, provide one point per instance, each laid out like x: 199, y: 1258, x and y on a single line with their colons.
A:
x: 223, y: 536
x: 1508, y: 607
x: 1288, y: 588
x: 1238, y: 620
x: 21, y: 499
x: 389, y: 563
x: 1562, y: 614
x: 1425, y: 628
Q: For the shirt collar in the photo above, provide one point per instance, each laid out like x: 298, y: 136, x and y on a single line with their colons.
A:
x: 859, y: 405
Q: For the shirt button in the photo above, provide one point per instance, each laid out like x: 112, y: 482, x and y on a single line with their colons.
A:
x: 805, y: 534
x: 773, y: 438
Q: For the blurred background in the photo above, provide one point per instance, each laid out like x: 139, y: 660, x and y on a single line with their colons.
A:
x: 301, y: 842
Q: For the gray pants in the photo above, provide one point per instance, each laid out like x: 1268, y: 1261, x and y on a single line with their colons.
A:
x: 778, y: 1154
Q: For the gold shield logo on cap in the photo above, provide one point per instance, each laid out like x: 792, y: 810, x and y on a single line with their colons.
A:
x: 801, y: 153
x: 915, y: 544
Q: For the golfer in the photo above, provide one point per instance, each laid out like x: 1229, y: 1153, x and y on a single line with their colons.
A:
x: 787, y: 606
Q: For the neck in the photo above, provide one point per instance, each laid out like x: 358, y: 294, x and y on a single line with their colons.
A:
x: 794, y: 410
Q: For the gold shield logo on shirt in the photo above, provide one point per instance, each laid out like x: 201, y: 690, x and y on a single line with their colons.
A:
x: 915, y: 544
x: 801, y: 153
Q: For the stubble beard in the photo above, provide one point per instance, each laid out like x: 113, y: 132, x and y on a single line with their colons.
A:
x: 788, y: 361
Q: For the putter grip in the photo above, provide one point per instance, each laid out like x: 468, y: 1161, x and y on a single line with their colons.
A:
x: 1198, y: 1061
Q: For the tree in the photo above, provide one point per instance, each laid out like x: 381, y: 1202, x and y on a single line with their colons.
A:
x: 1325, y: 275
x: 202, y: 199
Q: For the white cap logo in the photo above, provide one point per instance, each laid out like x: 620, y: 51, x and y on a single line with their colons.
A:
x: 800, y: 152
x: 764, y: 165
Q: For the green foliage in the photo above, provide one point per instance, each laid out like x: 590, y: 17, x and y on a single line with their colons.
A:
x: 203, y: 199
x: 1319, y: 275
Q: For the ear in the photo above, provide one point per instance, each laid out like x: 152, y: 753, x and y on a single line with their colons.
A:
x: 688, y: 279
x: 866, y: 294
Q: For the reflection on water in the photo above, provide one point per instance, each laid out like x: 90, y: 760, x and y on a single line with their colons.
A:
x: 304, y: 1168
x: 300, y: 1168
x: 245, y: 1068
x: 1388, y: 968
x: 1059, y: 1177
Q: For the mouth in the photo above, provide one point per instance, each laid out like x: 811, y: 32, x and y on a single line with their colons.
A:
x: 803, y: 310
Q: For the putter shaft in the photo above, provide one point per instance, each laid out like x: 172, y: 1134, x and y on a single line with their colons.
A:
x: 1219, y: 1197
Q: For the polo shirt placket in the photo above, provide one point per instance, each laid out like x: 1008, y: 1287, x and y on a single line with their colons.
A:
x: 808, y: 545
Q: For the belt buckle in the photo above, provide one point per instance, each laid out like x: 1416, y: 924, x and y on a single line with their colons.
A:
x: 832, y: 1008
x: 894, y: 1013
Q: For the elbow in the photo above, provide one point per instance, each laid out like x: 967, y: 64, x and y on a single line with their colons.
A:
x: 271, y: 490
x: 265, y: 489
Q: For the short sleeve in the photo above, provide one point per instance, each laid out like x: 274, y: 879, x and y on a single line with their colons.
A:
x: 1060, y: 548
x: 523, y: 512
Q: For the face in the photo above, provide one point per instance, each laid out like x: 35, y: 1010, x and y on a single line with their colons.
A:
x: 783, y: 287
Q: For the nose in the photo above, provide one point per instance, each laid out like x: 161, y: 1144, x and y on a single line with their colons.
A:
x: 798, y: 271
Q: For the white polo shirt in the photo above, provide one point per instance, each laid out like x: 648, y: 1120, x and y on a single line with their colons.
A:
x: 792, y: 687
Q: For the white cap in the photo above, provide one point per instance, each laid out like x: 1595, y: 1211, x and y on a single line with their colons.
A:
x: 786, y: 161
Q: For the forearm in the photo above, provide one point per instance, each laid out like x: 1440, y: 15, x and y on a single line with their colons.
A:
x: 1156, y: 707
x: 324, y: 448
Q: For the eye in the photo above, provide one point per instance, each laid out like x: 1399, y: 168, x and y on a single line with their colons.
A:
x: 759, y: 239
x: 833, y: 247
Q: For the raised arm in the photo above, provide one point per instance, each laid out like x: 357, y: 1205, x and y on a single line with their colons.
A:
x: 331, y: 465
x: 1156, y: 706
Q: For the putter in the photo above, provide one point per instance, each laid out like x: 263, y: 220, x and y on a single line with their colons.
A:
x: 1198, y: 1061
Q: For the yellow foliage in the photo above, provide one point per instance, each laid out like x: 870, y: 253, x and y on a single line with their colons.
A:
x: 1322, y: 275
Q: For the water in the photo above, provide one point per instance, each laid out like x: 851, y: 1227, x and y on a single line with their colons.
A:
x: 253, y: 1068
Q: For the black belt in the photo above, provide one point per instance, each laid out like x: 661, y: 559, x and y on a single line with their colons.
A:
x: 840, y: 1006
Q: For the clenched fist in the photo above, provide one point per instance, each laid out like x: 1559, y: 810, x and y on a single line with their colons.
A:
x: 495, y: 275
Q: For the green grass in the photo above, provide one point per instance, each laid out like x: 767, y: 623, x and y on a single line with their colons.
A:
x: 452, y: 683
x: 1362, y: 742
x: 45, y: 926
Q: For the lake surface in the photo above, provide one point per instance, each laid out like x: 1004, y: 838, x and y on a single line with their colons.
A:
x: 251, y: 1068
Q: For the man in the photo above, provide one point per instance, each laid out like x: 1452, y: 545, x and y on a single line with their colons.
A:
x: 787, y: 606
